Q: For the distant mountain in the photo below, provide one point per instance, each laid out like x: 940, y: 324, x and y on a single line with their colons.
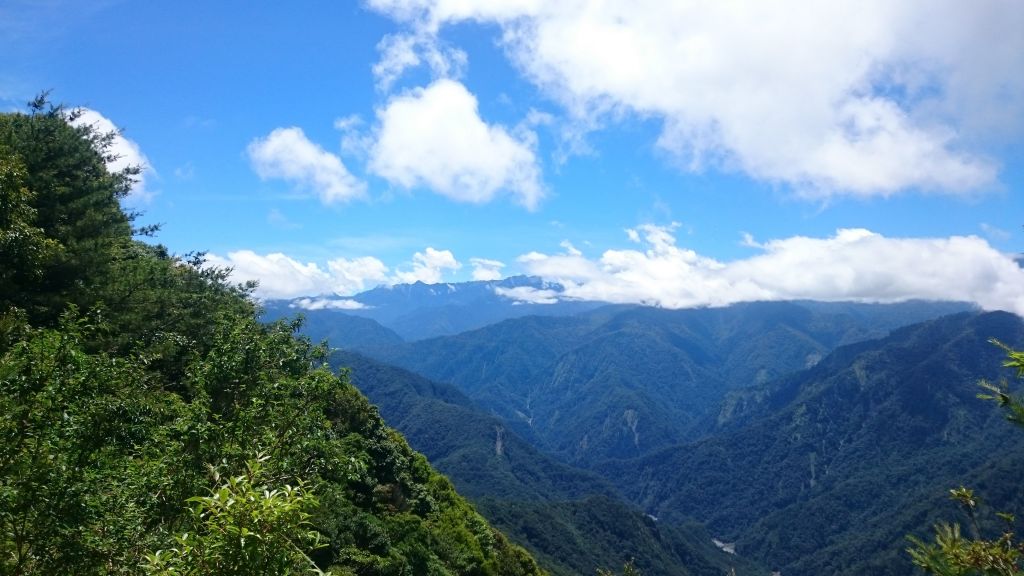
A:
x: 825, y: 471
x: 624, y: 381
x: 341, y: 330
x: 418, y: 311
x: 569, y: 518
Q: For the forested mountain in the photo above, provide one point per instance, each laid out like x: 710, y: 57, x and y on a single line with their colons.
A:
x: 418, y: 311
x: 826, y: 470
x: 149, y: 423
x: 619, y: 382
x: 571, y: 520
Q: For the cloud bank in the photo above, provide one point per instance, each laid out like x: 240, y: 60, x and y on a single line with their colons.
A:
x: 281, y: 276
x: 853, y: 97
x: 853, y: 265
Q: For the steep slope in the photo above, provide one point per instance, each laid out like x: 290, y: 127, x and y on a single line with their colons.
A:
x: 568, y: 518
x: 824, y: 471
x: 619, y: 382
x: 471, y: 447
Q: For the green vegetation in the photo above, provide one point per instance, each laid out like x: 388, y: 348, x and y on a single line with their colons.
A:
x: 150, y: 423
x: 827, y: 470
x: 567, y: 518
x: 622, y: 382
x: 953, y: 554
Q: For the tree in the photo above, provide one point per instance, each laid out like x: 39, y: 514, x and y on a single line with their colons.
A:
x: 952, y: 553
x: 56, y: 177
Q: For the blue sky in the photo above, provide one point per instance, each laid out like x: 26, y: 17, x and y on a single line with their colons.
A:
x: 682, y: 153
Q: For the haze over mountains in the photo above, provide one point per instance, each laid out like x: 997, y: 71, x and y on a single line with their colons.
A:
x: 815, y: 436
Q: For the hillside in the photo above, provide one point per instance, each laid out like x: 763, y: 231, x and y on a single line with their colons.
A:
x: 569, y: 519
x: 150, y: 423
x: 620, y: 382
x: 826, y: 470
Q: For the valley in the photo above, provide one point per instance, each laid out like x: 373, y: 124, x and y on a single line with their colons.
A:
x: 811, y: 436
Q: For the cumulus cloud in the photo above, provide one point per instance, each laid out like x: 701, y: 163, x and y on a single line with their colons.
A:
x: 281, y: 276
x: 857, y: 97
x: 853, y: 265
x: 434, y: 137
x: 428, y: 267
x: 127, y: 152
x: 485, y: 269
x: 287, y: 153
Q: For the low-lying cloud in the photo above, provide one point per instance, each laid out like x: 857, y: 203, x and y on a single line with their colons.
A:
x: 281, y: 276
x: 852, y: 265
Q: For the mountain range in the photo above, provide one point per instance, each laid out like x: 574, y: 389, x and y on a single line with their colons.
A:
x: 811, y: 437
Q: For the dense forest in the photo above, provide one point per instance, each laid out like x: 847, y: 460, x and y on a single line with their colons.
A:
x: 150, y: 423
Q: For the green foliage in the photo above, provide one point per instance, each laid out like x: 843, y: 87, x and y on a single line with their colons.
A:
x: 242, y: 528
x: 628, y: 569
x: 805, y: 481
x: 952, y: 554
x: 622, y: 382
x: 72, y: 199
x: 125, y: 372
x: 542, y: 504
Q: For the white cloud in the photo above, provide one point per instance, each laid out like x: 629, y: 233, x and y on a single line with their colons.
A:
x: 357, y: 274
x: 528, y: 295
x: 399, y: 52
x: 428, y: 267
x: 328, y: 304
x: 434, y: 137
x: 858, y: 97
x: 484, y: 269
x: 281, y: 276
x: 127, y: 152
x: 852, y: 265
x: 569, y: 248
x: 287, y: 154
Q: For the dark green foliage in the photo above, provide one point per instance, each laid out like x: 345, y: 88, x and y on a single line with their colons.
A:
x: 126, y: 374
x: 826, y: 470
x: 621, y: 382
x: 549, y: 507
x: 473, y: 448
x: 73, y: 199
x: 953, y: 553
x: 582, y: 536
